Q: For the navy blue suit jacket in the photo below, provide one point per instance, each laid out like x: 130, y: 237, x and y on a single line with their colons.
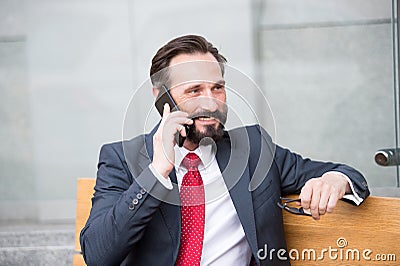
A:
x: 132, y: 221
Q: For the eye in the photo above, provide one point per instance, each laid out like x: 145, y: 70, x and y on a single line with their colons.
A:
x: 218, y: 87
x: 194, y: 91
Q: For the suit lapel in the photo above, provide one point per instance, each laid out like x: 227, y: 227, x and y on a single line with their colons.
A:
x: 232, y: 157
x: 170, y: 212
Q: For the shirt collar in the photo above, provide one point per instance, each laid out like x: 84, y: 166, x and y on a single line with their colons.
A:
x: 205, y: 153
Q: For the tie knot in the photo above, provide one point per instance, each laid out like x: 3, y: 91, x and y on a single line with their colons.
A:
x: 191, y: 161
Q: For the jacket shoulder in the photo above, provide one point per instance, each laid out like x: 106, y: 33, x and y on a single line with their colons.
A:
x: 135, y: 144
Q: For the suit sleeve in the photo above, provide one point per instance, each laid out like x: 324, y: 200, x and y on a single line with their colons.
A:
x: 121, y: 209
x: 295, y: 170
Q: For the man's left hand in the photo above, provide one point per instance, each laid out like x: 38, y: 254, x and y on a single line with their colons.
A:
x: 320, y: 195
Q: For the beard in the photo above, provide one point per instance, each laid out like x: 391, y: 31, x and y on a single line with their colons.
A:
x: 215, y: 133
x: 195, y: 136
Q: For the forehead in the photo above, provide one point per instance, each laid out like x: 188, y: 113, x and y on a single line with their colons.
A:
x: 186, y: 68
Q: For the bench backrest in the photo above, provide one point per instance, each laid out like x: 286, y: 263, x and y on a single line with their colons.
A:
x: 84, y: 196
x: 367, y: 234
x: 351, y: 235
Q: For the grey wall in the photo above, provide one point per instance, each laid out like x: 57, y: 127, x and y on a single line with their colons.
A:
x: 17, y: 178
x: 327, y: 70
x: 68, y: 70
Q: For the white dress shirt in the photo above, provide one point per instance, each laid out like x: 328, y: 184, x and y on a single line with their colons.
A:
x: 224, y: 240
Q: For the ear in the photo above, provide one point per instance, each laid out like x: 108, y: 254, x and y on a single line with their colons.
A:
x: 155, y: 92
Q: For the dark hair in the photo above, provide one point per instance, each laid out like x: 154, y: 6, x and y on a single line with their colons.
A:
x: 188, y: 44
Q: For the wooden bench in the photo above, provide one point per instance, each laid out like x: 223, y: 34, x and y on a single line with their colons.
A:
x: 84, y: 194
x: 364, y: 235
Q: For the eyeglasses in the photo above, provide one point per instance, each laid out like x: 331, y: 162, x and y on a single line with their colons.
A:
x: 285, y: 206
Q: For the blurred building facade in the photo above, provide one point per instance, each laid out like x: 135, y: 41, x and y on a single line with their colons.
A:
x: 68, y: 70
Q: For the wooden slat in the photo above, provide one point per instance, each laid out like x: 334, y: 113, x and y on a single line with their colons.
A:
x: 77, y: 260
x: 84, y: 195
x: 374, y: 225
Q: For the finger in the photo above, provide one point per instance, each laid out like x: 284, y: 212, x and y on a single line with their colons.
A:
x: 166, y: 110
x: 182, y: 130
x: 182, y: 116
x: 323, y: 202
x: 305, y: 196
x: 333, y: 199
x: 177, y: 123
x: 173, y: 118
x: 172, y: 127
x: 189, y: 121
x: 315, y: 199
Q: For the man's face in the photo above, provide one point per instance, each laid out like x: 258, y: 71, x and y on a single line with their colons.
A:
x: 198, y: 88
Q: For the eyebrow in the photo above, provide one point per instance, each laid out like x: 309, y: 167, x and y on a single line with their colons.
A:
x: 219, y: 82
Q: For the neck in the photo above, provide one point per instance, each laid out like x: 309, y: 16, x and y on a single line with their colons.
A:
x: 190, y: 145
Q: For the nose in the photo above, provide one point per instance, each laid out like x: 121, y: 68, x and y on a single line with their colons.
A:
x: 208, y: 103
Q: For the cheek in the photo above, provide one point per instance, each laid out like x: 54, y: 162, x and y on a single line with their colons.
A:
x: 221, y: 98
x: 178, y: 96
x: 183, y: 103
x: 222, y: 101
x: 188, y: 106
x: 179, y: 100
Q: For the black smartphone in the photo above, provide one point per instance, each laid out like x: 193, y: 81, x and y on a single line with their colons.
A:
x: 165, y: 97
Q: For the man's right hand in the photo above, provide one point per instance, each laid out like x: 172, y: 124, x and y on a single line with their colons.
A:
x: 164, y: 139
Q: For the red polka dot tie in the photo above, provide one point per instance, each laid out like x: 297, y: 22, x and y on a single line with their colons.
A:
x: 192, y: 213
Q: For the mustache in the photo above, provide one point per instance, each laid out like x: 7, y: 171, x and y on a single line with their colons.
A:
x: 217, y: 114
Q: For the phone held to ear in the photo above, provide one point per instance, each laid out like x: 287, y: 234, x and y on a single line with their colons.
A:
x: 165, y: 97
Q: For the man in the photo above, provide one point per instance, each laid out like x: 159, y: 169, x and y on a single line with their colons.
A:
x: 159, y: 204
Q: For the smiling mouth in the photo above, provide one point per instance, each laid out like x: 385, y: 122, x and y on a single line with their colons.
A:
x: 209, y: 117
x: 205, y: 118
